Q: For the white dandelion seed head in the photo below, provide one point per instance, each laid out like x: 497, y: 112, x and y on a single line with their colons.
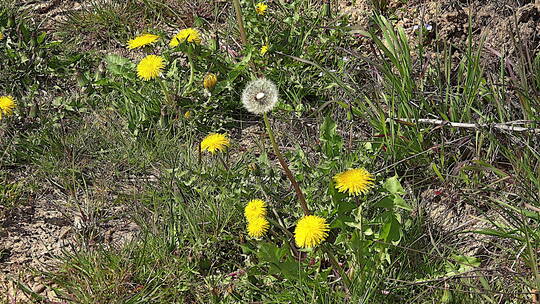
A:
x: 260, y: 96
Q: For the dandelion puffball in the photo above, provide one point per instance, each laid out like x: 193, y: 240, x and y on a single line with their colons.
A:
x: 260, y: 96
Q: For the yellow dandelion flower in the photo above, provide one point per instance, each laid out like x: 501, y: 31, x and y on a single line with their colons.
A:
x: 1, y: 36
x: 150, y: 67
x: 141, y: 40
x: 215, y: 142
x: 210, y: 81
x: 254, y: 209
x: 7, y: 104
x: 310, y: 231
x: 261, y: 8
x: 355, y: 181
x: 258, y: 227
x: 187, y: 115
x: 264, y: 49
x: 189, y: 35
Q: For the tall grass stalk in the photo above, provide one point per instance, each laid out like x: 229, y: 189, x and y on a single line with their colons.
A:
x: 240, y: 21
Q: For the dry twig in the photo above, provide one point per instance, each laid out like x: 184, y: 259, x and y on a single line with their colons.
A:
x: 507, y: 126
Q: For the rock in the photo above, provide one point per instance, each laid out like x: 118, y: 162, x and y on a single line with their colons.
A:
x: 51, y: 294
x: 39, y: 288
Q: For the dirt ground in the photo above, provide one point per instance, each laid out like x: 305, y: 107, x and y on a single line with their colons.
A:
x: 503, y: 24
x: 40, y: 230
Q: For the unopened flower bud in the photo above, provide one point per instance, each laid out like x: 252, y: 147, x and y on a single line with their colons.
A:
x: 210, y: 81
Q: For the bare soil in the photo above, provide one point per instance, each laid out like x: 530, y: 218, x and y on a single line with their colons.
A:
x: 39, y: 231
x: 504, y: 26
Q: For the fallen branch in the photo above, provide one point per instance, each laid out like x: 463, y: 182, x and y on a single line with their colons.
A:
x: 509, y: 126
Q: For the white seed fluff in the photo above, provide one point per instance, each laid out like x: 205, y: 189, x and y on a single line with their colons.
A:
x: 260, y: 96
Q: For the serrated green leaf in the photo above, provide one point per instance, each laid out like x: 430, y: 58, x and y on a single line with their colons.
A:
x: 119, y: 65
x: 401, y: 203
x: 393, y: 185
x: 387, y: 202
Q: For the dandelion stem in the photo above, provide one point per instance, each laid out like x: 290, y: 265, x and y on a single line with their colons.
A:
x: 163, y: 116
x: 168, y: 103
x: 220, y: 156
x: 287, y: 232
x: 360, y: 217
x: 240, y: 21
x: 278, y: 224
x: 337, y: 267
x: 191, y: 70
x: 165, y: 90
x: 199, y: 156
x: 283, y: 164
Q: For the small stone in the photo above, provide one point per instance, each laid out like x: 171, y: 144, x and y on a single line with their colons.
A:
x: 51, y: 294
x: 39, y: 288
